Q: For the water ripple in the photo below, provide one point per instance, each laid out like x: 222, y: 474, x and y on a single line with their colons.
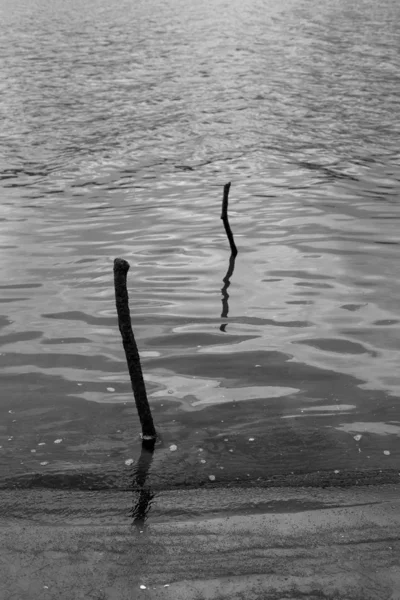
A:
x: 120, y: 122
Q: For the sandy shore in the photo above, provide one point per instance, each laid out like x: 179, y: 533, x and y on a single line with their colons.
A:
x: 214, y: 544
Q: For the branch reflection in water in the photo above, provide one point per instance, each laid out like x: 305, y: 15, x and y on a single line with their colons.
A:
x: 143, y: 496
x: 224, y: 290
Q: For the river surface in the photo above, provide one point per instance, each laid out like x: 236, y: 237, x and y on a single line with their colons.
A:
x: 120, y: 124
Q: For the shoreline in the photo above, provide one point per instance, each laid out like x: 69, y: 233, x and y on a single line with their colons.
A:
x: 73, y: 481
x: 70, y: 507
x: 202, y: 545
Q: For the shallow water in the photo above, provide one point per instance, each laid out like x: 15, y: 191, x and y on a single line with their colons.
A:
x: 120, y: 123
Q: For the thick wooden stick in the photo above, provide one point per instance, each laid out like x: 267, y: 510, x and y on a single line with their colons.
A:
x: 121, y: 268
x: 224, y: 217
x: 145, y: 495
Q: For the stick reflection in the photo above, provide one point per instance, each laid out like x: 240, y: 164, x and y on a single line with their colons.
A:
x: 224, y: 290
x: 142, y: 493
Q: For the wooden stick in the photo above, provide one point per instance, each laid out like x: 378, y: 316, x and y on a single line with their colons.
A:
x: 145, y: 495
x: 224, y: 217
x: 224, y: 291
x: 121, y: 268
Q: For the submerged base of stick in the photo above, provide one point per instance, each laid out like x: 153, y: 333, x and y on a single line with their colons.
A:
x: 143, y: 494
x: 121, y: 268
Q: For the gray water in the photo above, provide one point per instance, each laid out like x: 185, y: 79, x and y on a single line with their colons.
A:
x: 120, y: 123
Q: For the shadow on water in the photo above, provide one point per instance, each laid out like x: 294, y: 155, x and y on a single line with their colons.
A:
x: 142, y: 494
x: 224, y: 291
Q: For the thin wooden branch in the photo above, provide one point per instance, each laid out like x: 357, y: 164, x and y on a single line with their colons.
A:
x: 224, y: 291
x: 224, y: 217
x: 121, y: 268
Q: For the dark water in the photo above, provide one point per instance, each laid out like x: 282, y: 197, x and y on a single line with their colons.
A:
x: 120, y: 123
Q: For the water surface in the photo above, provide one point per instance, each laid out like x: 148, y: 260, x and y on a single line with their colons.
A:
x: 120, y: 123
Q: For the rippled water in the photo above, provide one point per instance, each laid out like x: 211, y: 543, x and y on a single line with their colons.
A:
x: 120, y: 123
